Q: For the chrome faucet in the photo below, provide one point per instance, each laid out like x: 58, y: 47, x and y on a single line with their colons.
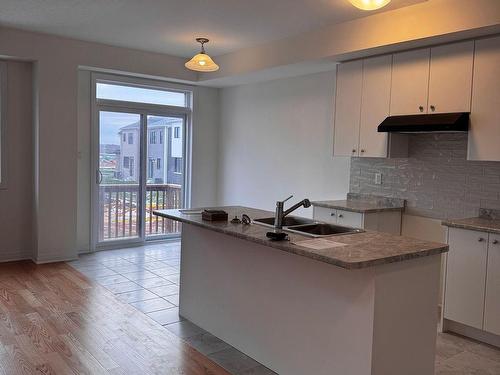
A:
x: 281, y: 213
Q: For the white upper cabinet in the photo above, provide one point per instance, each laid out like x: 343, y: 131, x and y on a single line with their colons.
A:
x: 347, y: 108
x: 450, y: 78
x: 375, y: 101
x: 484, y: 132
x: 410, y: 82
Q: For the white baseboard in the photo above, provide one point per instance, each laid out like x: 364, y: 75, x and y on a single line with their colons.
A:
x: 14, y: 256
x: 473, y: 333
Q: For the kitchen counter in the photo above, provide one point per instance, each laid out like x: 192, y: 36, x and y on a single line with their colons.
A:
x: 363, y: 203
x: 360, y: 250
x: 347, y: 309
x: 487, y: 221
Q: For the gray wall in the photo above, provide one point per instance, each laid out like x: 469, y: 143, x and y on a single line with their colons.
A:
x: 436, y: 179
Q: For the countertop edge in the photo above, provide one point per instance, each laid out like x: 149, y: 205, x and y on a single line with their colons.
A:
x: 475, y: 227
x: 305, y: 253
x: 351, y: 209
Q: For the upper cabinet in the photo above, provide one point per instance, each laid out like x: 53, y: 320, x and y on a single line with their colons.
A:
x: 347, y: 108
x: 375, y: 100
x: 450, y: 78
x: 457, y: 77
x: 433, y: 80
x: 410, y: 82
x: 484, y: 132
x: 362, y: 103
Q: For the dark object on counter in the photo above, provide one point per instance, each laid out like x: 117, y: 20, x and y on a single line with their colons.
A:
x: 245, y: 219
x: 214, y: 215
x: 277, y: 236
x: 236, y: 220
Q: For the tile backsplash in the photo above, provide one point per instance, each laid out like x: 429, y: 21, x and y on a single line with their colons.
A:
x: 436, y: 179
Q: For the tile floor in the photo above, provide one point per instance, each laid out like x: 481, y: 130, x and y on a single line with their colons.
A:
x: 147, y: 278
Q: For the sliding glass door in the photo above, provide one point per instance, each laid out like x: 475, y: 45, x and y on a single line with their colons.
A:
x: 140, y: 161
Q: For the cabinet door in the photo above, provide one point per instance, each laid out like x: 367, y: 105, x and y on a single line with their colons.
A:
x: 375, y: 101
x: 410, y: 79
x: 350, y: 219
x: 484, y: 133
x: 450, y: 78
x: 347, y: 108
x: 492, y: 301
x: 327, y: 215
x: 466, y: 277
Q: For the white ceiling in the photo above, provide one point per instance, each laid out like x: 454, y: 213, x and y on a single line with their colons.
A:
x: 170, y: 26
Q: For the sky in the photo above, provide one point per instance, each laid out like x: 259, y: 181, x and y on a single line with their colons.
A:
x: 111, y: 122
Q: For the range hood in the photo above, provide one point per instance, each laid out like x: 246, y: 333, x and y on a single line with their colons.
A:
x: 438, y: 122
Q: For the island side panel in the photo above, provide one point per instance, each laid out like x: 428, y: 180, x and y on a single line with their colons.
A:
x: 406, y: 317
x: 293, y: 314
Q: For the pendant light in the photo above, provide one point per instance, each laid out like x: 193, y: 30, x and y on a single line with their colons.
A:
x: 369, y: 4
x: 202, y: 62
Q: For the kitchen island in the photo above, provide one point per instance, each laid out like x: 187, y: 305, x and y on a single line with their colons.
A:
x: 367, y: 304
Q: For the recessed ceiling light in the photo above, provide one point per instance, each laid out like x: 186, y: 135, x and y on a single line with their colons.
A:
x: 202, y: 62
x: 369, y: 4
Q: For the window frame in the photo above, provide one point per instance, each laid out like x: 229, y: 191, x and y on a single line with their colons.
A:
x: 3, y: 125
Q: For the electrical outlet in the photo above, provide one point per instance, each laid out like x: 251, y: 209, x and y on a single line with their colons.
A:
x: 378, y: 178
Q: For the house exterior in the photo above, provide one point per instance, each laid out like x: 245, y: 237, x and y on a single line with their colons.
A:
x: 164, y: 148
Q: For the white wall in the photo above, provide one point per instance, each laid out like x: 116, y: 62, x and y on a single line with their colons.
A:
x: 56, y: 61
x: 16, y: 200
x: 276, y: 139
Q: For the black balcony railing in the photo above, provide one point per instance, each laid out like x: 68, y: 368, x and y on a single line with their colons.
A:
x: 119, y: 210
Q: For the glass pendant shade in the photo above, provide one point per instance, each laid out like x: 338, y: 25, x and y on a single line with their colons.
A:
x: 369, y: 4
x: 202, y: 62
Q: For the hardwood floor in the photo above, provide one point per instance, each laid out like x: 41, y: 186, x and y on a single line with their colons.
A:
x: 55, y: 321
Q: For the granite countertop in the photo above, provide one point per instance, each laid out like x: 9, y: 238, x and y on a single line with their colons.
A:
x: 361, y: 250
x: 363, y: 203
x: 487, y: 221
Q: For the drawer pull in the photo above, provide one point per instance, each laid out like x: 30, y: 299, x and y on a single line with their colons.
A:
x: 495, y: 242
x: 480, y: 239
x: 341, y: 215
x: 332, y: 214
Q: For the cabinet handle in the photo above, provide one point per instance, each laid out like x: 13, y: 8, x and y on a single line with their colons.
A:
x: 433, y: 108
x: 480, y: 239
x: 353, y: 150
x: 495, y: 242
x: 421, y: 108
x: 362, y: 150
x: 341, y: 215
x: 332, y: 214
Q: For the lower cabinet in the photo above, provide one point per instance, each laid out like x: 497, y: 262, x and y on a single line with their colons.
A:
x: 492, y: 301
x: 472, y: 289
x: 383, y: 221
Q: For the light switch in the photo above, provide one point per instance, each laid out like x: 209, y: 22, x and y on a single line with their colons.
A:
x: 378, y: 178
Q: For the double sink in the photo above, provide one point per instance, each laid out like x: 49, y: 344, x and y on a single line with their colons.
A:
x: 308, y: 227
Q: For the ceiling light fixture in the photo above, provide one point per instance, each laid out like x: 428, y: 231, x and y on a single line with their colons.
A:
x: 369, y: 4
x: 202, y: 62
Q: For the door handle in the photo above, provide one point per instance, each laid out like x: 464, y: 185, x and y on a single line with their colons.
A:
x: 98, y: 176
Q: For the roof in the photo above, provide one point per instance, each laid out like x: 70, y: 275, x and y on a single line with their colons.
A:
x: 155, y: 122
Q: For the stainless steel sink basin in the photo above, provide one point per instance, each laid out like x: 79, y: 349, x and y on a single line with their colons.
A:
x: 322, y: 230
x: 308, y: 227
x: 287, y: 221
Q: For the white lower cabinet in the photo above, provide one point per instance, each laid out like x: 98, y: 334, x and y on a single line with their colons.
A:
x: 383, y: 221
x: 492, y: 300
x: 472, y: 290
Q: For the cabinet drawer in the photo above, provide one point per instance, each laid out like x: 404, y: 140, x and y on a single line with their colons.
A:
x: 350, y: 219
x: 466, y: 277
x: 328, y: 215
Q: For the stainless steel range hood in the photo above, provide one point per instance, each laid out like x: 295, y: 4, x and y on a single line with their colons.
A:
x: 438, y: 122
